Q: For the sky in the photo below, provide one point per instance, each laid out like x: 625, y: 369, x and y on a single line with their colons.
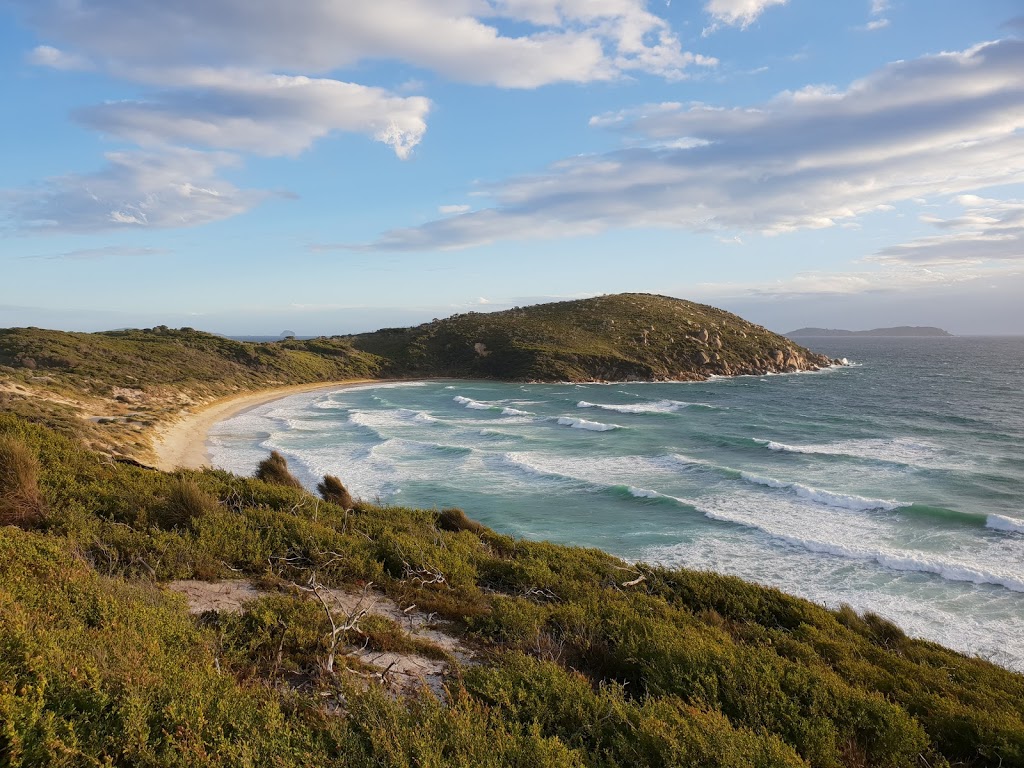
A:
x: 335, y: 166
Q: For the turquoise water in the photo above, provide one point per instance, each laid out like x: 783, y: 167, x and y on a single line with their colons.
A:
x: 894, y: 484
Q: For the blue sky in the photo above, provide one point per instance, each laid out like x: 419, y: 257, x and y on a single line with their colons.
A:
x: 330, y: 166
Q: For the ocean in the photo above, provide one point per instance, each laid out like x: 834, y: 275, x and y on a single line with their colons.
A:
x: 894, y: 484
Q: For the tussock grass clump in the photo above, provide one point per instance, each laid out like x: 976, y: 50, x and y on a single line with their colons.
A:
x: 274, y: 469
x: 21, y: 503
x: 455, y: 520
x: 333, y: 490
x: 187, y: 503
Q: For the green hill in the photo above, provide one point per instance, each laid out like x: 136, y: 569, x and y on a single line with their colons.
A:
x: 621, y: 337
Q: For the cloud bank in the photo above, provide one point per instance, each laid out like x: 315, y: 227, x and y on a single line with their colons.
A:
x: 254, y: 78
x: 937, y: 126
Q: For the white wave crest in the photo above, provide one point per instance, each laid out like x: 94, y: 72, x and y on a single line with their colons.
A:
x: 828, y: 498
x: 1003, y: 523
x: 472, y: 404
x: 893, y: 559
x: 661, y: 406
x: 643, y: 493
x: 900, y: 560
x: 514, y: 412
x: 418, y: 416
x: 592, y: 426
x: 386, y: 385
x: 898, y: 451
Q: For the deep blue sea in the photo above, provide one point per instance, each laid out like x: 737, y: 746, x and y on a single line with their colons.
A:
x: 895, y: 484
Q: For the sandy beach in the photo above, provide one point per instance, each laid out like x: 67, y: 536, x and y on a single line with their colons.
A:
x: 183, y: 443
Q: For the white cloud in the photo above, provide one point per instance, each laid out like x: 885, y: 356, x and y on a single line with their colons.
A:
x: 564, y: 40
x: 939, y: 125
x: 136, y: 190
x: 449, y: 210
x: 263, y: 114
x: 875, y: 24
x: 738, y: 13
x: 988, y: 230
x: 894, y: 279
x: 108, y: 251
x: 246, y: 80
x: 878, y: 7
x: 54, y: 58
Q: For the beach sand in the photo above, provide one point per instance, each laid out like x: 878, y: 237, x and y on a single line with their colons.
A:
x: 183, y: 443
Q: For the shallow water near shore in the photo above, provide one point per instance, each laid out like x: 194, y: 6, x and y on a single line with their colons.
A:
x: 894, y: 484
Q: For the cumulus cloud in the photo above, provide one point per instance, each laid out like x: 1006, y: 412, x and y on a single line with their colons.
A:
x: 940, y: 125
x: 255, y: 77
x: 737, y: 13
x: 987, y: 230
x: 136, y: 190
x: 263, y: 114
x: 564, y: 40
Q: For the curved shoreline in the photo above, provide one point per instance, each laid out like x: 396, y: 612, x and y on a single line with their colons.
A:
x: 182, y: 445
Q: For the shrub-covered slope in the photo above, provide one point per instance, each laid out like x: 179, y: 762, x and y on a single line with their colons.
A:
x: 625, y: 336
x: 581, y: 659
x: 112, y: 388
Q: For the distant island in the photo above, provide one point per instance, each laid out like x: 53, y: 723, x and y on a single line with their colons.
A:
x: 901, y: 330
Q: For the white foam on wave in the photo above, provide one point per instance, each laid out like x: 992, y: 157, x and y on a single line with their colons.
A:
x: 591, y: 426
x: 417, y: 416
x: 902, y: 560
x: 514, y: 412
x: 383, y: 385
x: 1003, y: 523
x: 644, y: 493
x: 895, y: 451
x: 473, y: 405
x: 791, y: 529
x: 828, y: 498
x: 661, y: 406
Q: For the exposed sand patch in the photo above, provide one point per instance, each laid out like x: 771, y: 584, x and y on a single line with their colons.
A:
x: 183, y: 443
x: 405, y: 671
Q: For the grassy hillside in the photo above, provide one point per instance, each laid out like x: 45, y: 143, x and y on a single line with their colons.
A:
x: 579, y: 659
x: 113, y: 387
x: 626, y: 336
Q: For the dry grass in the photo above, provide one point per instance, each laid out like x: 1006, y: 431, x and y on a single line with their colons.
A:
x: 21, y: 503
x: 274, y: 469
x: 333, y: 490
x: 186, y: 503
x: 455, y: 520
